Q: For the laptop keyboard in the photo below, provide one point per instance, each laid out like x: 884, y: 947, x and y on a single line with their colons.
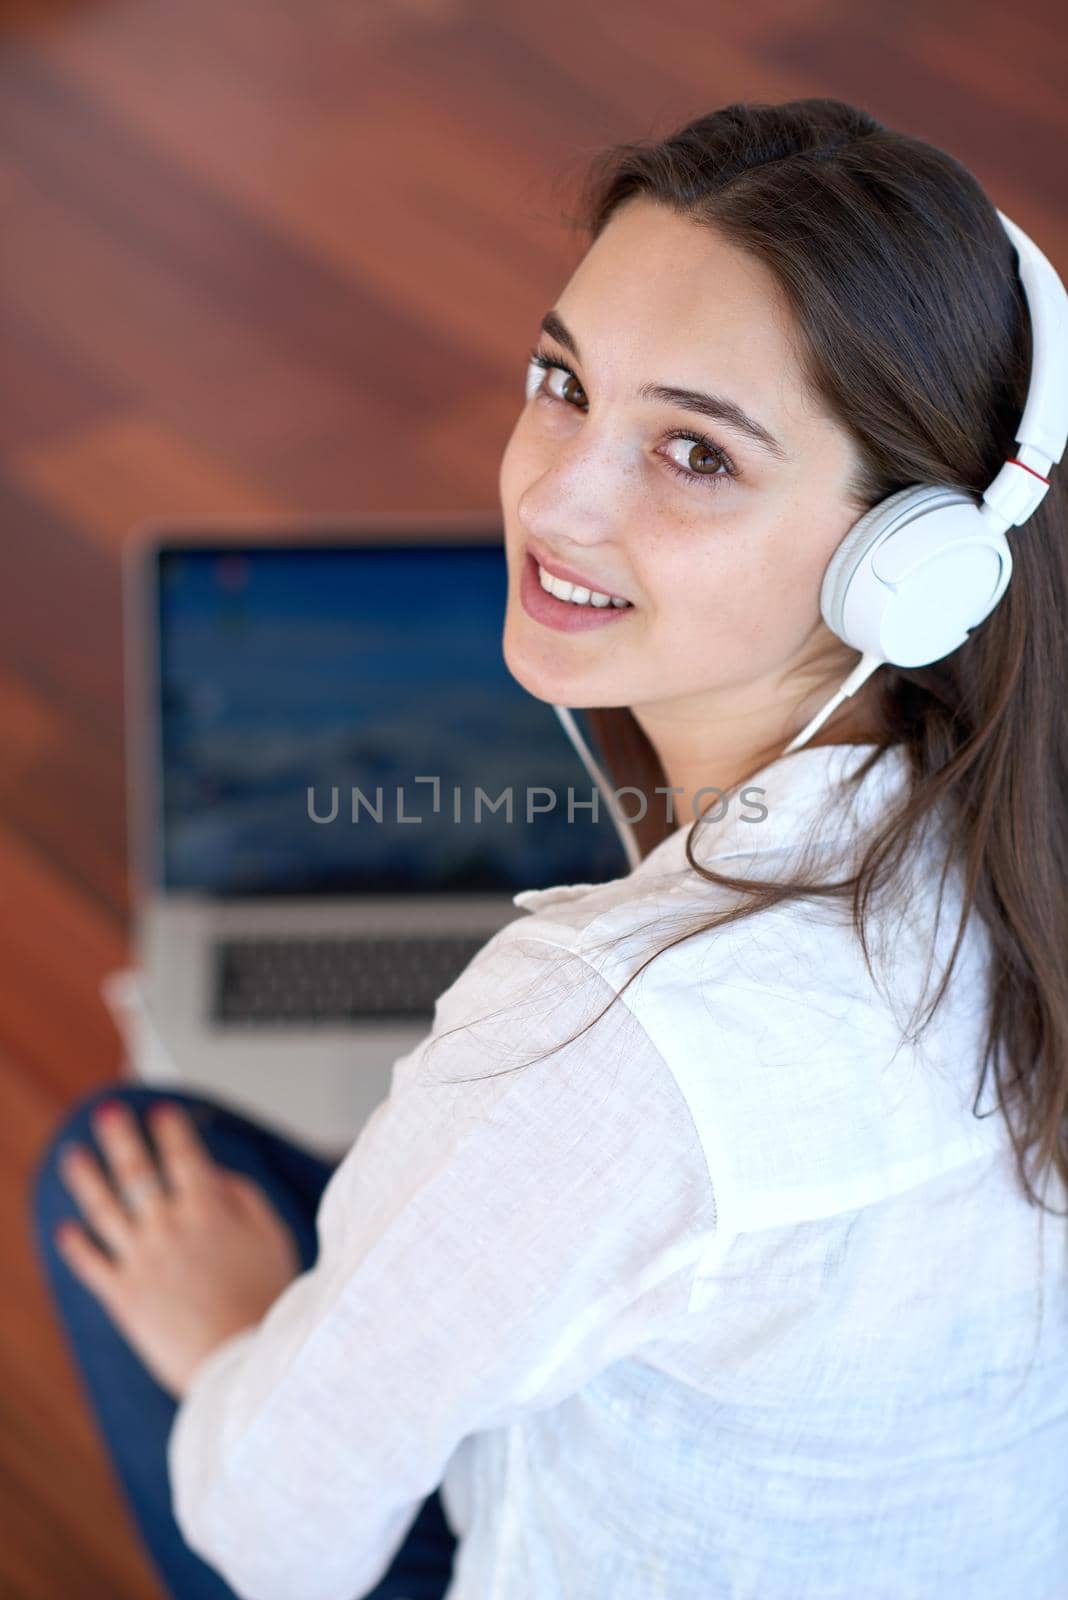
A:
x: 335, y: 977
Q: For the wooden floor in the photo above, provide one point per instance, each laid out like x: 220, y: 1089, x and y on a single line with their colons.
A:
x: 262, y: 258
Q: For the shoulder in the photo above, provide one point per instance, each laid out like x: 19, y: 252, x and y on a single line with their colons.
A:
x: 531, y: 1020
x: 811, y: 1091
x: 534, y: 1066
x: 794, y: 1055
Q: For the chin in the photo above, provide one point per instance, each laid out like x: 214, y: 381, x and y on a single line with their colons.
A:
x: 536, y: 678
x: 547, y: 682
x: 540, y: 674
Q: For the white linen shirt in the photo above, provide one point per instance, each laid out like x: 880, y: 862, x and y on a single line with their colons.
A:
x: 733, y: 1298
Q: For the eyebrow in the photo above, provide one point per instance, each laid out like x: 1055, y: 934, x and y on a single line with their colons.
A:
x: 716, y: 406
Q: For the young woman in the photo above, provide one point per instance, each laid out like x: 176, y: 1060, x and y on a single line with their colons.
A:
x: 683, y: 1255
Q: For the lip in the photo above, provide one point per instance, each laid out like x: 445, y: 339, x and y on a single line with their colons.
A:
x: 556, y: 569
x: 561, y: 615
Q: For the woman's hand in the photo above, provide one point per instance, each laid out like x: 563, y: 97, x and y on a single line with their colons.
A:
x: 190, y: 1263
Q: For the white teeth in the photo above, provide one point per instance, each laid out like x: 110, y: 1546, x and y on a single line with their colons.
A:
x: 575, y: 593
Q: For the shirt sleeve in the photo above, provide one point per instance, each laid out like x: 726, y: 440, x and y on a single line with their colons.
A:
x: 486, y: 1247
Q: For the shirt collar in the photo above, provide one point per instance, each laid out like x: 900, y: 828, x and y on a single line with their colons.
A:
x: 793, y: 798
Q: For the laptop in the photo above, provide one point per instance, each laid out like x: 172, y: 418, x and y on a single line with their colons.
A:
x: 312, y: 715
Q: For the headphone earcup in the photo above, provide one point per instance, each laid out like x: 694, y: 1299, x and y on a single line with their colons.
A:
x: 850, y: 552
x: 914, y: 574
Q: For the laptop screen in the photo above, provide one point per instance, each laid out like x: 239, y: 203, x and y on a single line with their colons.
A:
x: 330, y: 714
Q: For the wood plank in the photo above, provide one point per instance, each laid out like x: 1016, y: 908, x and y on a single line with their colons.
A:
x: 348, y: 157
x: 56, y: 392
x: 61, y: 613
x: 118, y: 472
x: 56, y: 945
x: 54, y: 1473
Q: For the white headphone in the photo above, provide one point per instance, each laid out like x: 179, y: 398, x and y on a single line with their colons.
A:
x: 918, y: 571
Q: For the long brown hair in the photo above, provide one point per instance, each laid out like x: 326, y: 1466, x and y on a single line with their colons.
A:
x: 914, y: 334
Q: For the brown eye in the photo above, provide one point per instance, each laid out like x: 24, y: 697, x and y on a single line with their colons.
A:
x: 570, y: 389
x: 555, y: 372
x: 703, y: 462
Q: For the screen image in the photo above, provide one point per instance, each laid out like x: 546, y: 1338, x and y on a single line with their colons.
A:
x: 318, y: 702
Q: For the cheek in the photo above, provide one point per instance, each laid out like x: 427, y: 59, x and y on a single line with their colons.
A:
x: 784, y: 594
x: 746, y: 593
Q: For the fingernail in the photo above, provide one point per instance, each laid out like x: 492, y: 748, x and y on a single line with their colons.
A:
x: 108, y: 1108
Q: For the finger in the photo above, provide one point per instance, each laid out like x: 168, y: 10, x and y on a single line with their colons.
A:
x: 132, y: 1168
x: 99, y: 1205
x: 187, y: 1162
x: 89, y: 1264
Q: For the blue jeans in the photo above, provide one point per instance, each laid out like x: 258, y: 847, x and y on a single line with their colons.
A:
x: 133, y: 1413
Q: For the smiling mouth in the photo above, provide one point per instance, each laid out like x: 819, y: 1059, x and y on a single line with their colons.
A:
x: 560, y: 613
x: 572, y: 592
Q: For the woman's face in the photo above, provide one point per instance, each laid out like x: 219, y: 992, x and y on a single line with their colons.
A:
x: 720, y: 548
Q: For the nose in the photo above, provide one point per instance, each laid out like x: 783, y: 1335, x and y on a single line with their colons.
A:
x: 575, y: 503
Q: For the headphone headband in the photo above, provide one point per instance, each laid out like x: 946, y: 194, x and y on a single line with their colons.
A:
x: 1044, y: 424
x: 1020, y: 486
